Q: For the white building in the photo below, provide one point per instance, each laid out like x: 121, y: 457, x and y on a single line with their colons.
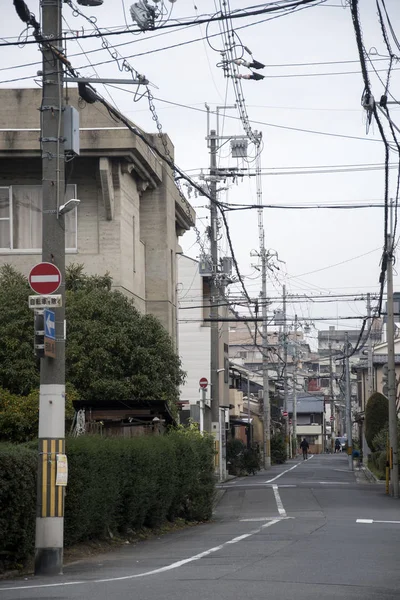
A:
x: 194, y: 335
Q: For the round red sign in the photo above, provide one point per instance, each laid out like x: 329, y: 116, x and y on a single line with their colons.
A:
x: 45, y: 278
x: 285, y: 414
x: 203, y: 383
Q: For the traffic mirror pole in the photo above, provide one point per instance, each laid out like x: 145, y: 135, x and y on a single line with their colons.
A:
x: 52, y: 463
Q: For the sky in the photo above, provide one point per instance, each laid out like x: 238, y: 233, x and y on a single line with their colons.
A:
x: 312, y: 82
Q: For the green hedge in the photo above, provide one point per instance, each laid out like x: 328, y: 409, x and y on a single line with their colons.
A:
x: 115, y: 485
x: 18, y: 465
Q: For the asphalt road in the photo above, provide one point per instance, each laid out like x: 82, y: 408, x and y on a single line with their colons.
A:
x: 288, y: 533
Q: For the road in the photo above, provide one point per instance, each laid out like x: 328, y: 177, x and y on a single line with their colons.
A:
x: 287, y: 533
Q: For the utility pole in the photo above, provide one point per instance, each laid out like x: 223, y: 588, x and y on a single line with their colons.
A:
x: 332, y: 397
x: 394, y: 459
x: 294, y: 444
x: 50, y: 500
x: 248, y: 408
x: 349, y: 425
x: 285, y: 374
x: 370, y: 381
x: 266, y: 398
x: 214, y: 300
x: 370, y: 386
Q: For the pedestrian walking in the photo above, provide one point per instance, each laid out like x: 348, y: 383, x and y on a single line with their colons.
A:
x: 305, y: 446
x: 338, y: 446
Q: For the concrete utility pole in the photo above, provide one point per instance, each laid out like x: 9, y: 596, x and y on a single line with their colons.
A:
x: 370, y: 385
x: 349, y: 425
x: 266, y: 399
x: 294, y: 444
x: 394, y: 459
x: 248, y: 408
x: 214, y: 310
x: 370, y: 380
x: 332, y: 398
x: 285, y: 374
x: 50, y: 501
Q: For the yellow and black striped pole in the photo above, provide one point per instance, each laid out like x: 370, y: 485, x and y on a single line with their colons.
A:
x: 50, y: 491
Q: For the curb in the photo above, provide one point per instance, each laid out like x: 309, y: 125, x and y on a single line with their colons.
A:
x: 372, y: 478
x: 219, y: 494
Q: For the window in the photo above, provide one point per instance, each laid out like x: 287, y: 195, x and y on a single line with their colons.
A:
x: 242, y: 354
x: 21, y: 218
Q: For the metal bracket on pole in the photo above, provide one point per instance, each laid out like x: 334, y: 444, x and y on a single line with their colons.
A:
x: 141, y: 81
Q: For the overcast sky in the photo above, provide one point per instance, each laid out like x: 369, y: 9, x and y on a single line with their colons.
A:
x: 322, y: 98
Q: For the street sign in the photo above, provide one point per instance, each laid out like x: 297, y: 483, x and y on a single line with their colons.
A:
x: 49, y: 318
x: 39, y: 302
x: 45, y: 278
x: 285, y: 414
x: 203, y: 383
x: 331, y: 418
x: 50, y: 324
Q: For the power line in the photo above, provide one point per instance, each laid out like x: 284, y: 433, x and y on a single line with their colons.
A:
x: 214, y: 18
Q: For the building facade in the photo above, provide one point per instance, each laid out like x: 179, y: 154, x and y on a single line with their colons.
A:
x: 131, y: 213
x: 195, y: 342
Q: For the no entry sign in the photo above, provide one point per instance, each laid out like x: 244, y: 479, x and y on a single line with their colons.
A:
x: 45, y: 278
x: 203, y: 383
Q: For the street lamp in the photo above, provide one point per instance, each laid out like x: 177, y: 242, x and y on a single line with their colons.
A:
x: 68, y: 206
x: 90, y: 2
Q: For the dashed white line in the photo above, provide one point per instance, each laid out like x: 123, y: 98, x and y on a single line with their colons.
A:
x: 170, y: 567
x: 370, y: 521
x: 287, y: 470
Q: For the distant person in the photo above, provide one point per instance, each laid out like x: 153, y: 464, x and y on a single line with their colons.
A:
x: 305, y: 446
x: 338, y: 446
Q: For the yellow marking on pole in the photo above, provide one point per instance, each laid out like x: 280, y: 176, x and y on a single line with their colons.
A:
x: 53, y: 479
x: 44, y: 477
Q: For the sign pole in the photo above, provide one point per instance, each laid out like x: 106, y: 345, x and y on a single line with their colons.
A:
x: 49, y: 540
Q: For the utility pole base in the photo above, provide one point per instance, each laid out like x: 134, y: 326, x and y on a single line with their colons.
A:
x: 48, y: 561
x: 49, y: 546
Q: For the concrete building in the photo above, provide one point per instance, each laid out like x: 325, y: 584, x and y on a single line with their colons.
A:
x: 195, y: 341
x: 130, y: 215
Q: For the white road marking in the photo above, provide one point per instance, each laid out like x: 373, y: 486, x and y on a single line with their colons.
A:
x: 370, y: 521
x: 256, y: 520
x: 250, y: 484
x: 287, y: 470
x: 170, y: 567
x: 342, y: 470
x: 279, y: 504
x: 333, y: 482
x: 286, y: 485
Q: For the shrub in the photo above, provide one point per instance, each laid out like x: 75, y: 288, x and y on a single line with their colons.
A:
x: 18, y: 467
x: 278, y: 450
x: 115, y: 485
x: 376, y: 417
x: 240, y: 459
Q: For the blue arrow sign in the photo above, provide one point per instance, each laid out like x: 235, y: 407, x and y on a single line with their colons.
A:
x: 50, y: 324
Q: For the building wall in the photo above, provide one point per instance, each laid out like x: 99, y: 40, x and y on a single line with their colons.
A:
x: 134, y: 236
x: 194, y: 336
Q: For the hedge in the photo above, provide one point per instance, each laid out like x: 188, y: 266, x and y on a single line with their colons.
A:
x: 116, y: 485
x: 376, y: 417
